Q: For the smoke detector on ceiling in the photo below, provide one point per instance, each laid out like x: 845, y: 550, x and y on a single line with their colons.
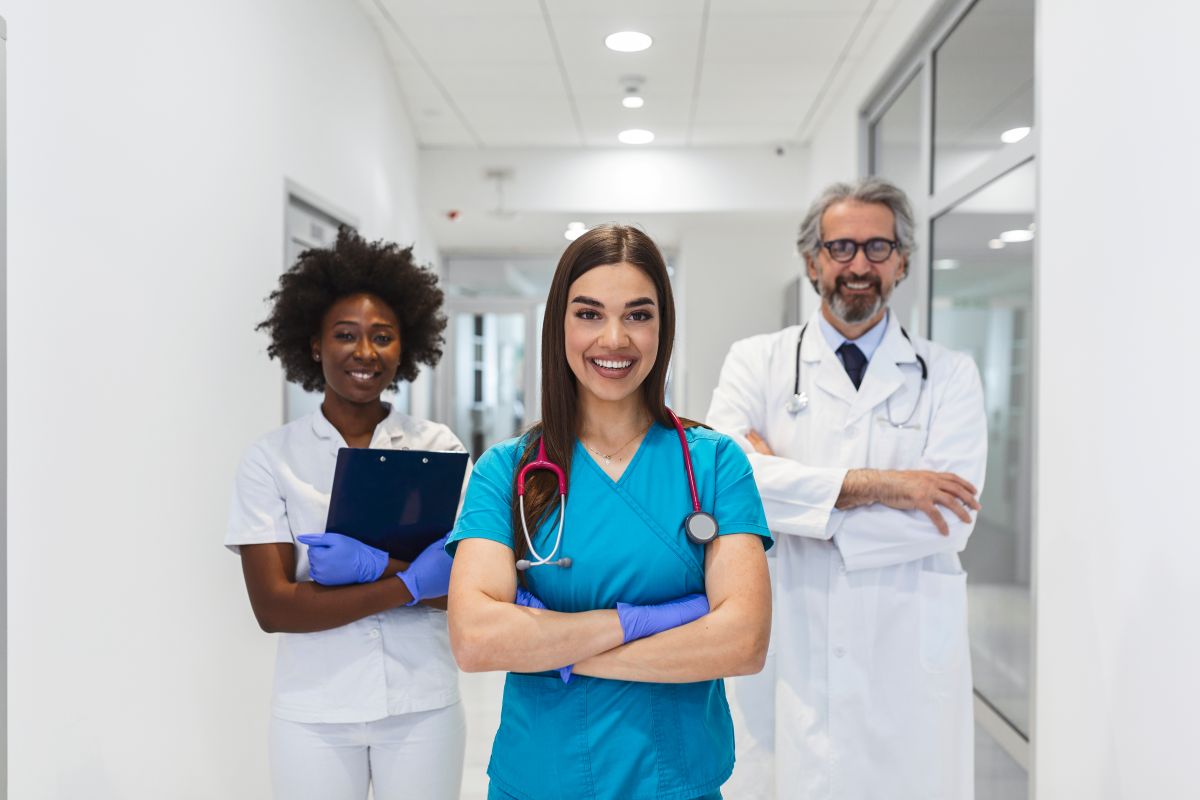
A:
x: 501, y: 177
x: 631, y: 91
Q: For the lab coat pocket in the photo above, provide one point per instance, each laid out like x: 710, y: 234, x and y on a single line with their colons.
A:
x: 896, y: 448
x: 943, y: 613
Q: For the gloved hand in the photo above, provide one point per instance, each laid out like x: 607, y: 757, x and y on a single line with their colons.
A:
x: 641, y: 621
x: 429, y: 574
x: 335, y: 560
x: 529, y: 600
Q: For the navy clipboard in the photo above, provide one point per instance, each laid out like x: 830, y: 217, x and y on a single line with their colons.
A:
x: 397, y: 500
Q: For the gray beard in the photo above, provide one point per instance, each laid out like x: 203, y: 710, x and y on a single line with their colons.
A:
x: 850, y: 312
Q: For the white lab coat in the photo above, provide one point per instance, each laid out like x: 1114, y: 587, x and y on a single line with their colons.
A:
x: 872, y: 688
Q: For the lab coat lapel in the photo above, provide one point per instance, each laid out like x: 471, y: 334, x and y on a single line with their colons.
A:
x: 883, y: 377
x: 823, y: 364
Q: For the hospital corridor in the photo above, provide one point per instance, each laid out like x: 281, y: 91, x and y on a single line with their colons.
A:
x: 638, y: 399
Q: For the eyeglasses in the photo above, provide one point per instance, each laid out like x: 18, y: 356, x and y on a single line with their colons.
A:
x: 876, y: 250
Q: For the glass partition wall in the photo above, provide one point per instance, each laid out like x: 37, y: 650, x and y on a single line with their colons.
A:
x: 953, y: 126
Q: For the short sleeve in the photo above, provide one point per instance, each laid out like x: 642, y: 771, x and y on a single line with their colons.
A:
x: 738, y: 507
x: 257, y: 513
x: 487, y: 510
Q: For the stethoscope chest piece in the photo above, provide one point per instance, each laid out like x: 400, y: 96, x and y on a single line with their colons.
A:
x: 798, y: 403
x: 700, y: 527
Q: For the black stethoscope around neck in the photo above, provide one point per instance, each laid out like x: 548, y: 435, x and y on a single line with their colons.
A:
x: 799, y: 399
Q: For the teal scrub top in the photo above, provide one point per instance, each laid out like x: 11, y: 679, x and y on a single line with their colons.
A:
x: 598, y: 738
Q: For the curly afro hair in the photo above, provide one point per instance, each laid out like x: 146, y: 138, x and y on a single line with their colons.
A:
x: 322, y: 276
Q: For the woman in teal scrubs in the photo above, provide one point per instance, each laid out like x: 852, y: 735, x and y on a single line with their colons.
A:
x: 644, y: 713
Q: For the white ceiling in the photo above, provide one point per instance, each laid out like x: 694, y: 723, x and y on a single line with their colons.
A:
x: 536, y: 73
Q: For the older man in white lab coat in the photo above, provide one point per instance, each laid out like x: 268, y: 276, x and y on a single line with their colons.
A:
x: 868, y: 446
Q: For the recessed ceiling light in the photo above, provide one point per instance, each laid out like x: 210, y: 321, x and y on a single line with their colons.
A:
x: 996, y: 244
x: 574, y: 231
x: 633, y: 101
x: 627, y: 41
x: 945, y: 263
x: 635, y: 136
x: 1019, y: 235
x: 1014, y: 135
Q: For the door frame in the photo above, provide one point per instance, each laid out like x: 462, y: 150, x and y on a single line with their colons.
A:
x: 532, y: 383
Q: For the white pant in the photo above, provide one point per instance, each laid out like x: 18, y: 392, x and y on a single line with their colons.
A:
x: 417, y: 755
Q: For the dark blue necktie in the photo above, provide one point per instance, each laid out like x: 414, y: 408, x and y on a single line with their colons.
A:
x: 854, y: 361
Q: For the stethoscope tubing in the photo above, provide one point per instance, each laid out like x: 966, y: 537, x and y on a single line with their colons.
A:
x: 799, y: 401
x: 687, y: 459
x: 542, y: 462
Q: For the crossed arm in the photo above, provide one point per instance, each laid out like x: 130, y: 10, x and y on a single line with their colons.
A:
x: 910, y: 489
x: 874, y: 517
x: 489, y: 632
x: 284, y: 605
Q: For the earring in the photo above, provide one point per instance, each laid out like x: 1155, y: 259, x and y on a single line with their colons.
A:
x: 316, y: 356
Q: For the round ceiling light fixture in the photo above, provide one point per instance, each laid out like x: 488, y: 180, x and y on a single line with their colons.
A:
x: 574, y: 231
x: 628, y: 41
x: 995, y: 244
x: 633, y: 101
x: 1018, y: 235
x: 635, y: 136
x: 1014, y: 135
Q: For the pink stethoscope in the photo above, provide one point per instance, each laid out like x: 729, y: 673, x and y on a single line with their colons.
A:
x: 700, y: 526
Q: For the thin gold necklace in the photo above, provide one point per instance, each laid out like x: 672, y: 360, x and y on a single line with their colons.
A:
x: 608, y: 459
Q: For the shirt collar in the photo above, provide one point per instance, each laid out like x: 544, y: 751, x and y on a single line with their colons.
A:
x: 391, y: 426
x: 868, y: 343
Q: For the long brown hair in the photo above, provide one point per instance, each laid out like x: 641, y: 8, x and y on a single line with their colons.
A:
x: 600, y: 246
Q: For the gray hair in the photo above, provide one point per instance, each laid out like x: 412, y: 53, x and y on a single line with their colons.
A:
x: 865, y: 190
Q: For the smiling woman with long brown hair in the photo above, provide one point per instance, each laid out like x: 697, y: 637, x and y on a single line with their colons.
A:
x: 366, y: 691
x: 576, y: 572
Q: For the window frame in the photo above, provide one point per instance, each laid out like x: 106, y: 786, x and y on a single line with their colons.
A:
x: 918, y: 60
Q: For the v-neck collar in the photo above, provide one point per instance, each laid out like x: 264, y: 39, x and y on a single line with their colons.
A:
x: 587, y: 454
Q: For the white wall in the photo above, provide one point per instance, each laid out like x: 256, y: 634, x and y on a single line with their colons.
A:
x: 150, y: 146
x: 651, y: 179
x: 1118, y: 648
x: 732, y: 273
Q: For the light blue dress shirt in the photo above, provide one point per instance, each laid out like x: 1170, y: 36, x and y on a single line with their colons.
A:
x: 868, y: 343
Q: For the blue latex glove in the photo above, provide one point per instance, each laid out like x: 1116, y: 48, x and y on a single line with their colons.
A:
x: 335, y: 560
x: 529, y: 600
x: 641, y: 621
x: 429, y: 574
